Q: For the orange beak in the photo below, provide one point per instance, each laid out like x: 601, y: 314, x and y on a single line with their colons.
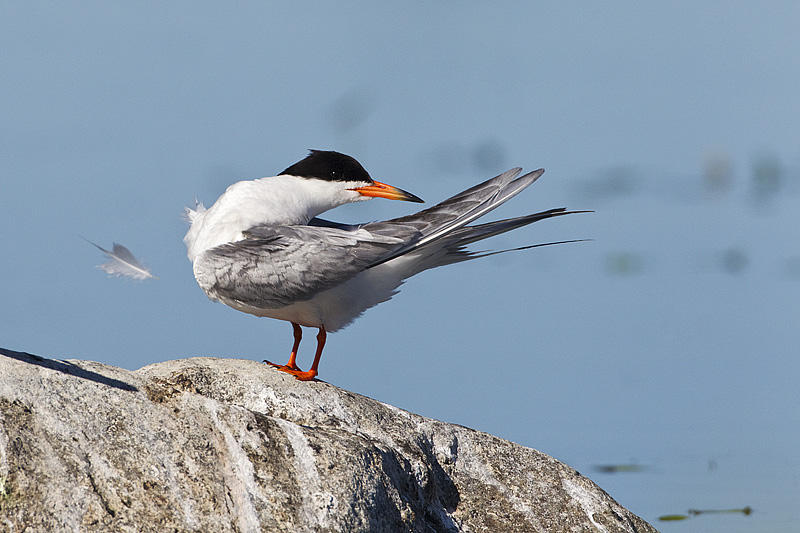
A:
x: 382, y: 190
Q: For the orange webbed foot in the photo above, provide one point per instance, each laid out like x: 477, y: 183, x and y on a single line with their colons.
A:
x: 298, y: 374
x: 288, y: 366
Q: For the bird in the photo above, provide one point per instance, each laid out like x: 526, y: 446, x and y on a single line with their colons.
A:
x: 262, y: 249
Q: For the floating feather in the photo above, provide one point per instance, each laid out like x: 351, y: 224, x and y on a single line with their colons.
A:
x: 122, y: 263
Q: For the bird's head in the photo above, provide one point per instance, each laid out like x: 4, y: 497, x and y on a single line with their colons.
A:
x: 343, y: 179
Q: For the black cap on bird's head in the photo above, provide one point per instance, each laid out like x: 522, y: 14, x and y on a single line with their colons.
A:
x: 329, y: 165
x: 334, y: 166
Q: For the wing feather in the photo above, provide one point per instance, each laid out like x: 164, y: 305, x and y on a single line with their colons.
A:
x: 454, y: 213
x: 275, y: 266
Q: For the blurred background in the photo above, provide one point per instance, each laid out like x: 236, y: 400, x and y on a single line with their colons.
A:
x: 660, y: 359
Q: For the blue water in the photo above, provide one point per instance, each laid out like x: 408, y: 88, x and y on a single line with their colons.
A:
x: 668, y: 342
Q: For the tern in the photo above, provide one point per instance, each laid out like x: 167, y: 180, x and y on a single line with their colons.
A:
x: 261, y: 249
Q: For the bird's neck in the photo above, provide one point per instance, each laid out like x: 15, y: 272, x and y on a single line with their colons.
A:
x: 283, y: 200
x: 288, y: 199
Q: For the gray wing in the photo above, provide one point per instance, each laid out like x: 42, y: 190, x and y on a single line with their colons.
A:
x: 448, y: 216
x: 447, y: 221
x: 275, y: 266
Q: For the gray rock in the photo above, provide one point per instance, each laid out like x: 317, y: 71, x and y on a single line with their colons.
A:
x: 221, y: 445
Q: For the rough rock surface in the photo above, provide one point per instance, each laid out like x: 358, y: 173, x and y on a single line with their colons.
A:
x: 221, y: 445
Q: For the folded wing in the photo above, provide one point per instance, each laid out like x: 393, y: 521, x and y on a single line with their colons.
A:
x: 275, y: 266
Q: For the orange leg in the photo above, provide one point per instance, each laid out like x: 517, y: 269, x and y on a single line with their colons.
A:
x: 291, y: 367
x: 322, y: 336
x: 292, y: 363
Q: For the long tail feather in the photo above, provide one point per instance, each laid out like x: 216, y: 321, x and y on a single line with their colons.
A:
x: 470, y: 234
x: 455, y: 244
x: 478, y: 255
